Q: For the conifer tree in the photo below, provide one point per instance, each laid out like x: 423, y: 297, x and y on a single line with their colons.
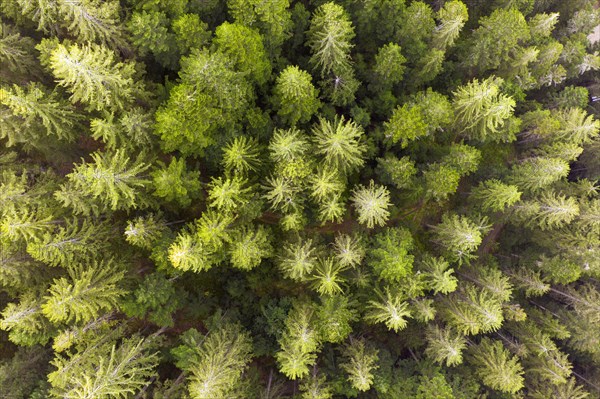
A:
x: 229, y: 193
x: 150, y: 34
x: 16, y: 53
x: 329, y: 38
x: 493, y: 42
x: 339, y: 142
x: 112, y: 179
x: 188, y: 252
x: 145, y: 231
x: 371, y: 203
x: 296, y: 199
x: 35, y: 106
x: 389, y: 65
x: 298, y: 343
x: 459, y: 236
x: 481, y: 110
x: 406, y: 125
x: 93, y: 75
x: 92, y: 20
x: 249, y: 247
x: 389, y: 309
x: 272, y: 19
x: 175, y: 183
x: 349, y: 250
x: 360, y: 361
x: 217, y: 362
x: 496, y: 367
x: 390, y: 258
x: 298, y: 259
x: 440, y: 181
x: 25, y: 323
x: 493, y: 195
x: 452, y: 17
x: 315, y: 387
x: 335, y: 315
x: 102, y: 369
x: 69, y: 244
x: 549, y: 211
x: 536, y: 173
x: 91, y: 290
x: 244, y: 47
x: 439, y: 276
x: 295, y: 96
x: 241, y: 155
x: 326, y: 277
x: 445, y: 346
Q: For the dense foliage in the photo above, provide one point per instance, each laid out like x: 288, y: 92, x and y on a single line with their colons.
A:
x: 299, y: 199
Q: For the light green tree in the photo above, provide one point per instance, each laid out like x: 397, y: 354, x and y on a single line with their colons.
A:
x: 452, y: 18
x: 132, y: 130
x: 315, y: 387
x: 25, y: 322
x: 371, y: 204
x: 390, y: 309
x: 103, y: 368
x: 112, y: 179
x: 145, y: 231
x: 150, y: 34
x: 329, y: 38
x: 481, y: 110
x: 536, y: 173
x: 496, y: 367
x: 93, y: 75
x: 360, y: 361
x: 36, y: 106
x: 396, y: 172
x: 299, y: 343
x: 92, y: 20
x: 216, y: 363
x: 494, y: 195
x: 16, y: 54
x: 498, y: 35
x: 445, y: 346
x: 298, y: 259
x: 175, y: 183
x: 244, y: 47
x: 440, y: 181
x: 294, y: 96
x: 548, y: 211
x: 335, y: 315
x: 390, y: 257
x: 405, y: 125
x: 349, y: 250
x: 472, y: 310
x: 87, y: 292
x: 249, y: 246
x: 389, y: 65
x: 227, y: 194
x: 326, y: 277
x: 188, y: 252
x: 459, y: 236
x: 576, y: 126
x: 340, y: 143
x: 241, y: 155
x: 273, y: 19
x: 71, y: 243
x: 439, y: 276
x: 211, y: 98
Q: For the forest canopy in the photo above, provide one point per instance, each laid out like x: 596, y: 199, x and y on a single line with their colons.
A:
x: 212, y: 199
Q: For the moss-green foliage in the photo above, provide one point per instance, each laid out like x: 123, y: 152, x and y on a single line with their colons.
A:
x: 282, y: 199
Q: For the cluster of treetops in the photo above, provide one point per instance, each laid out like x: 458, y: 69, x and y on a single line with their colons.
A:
x: 299, y: 199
